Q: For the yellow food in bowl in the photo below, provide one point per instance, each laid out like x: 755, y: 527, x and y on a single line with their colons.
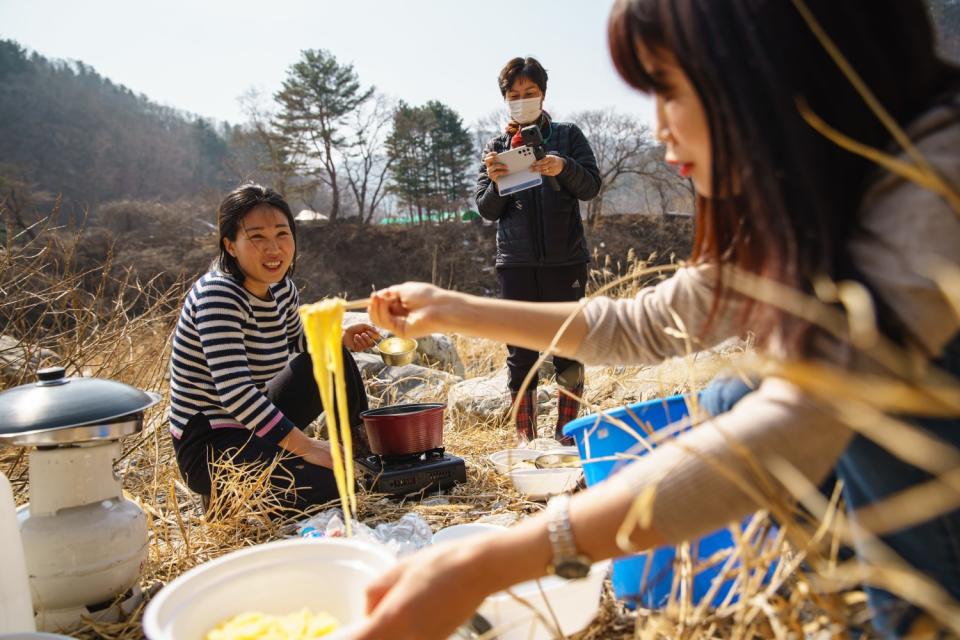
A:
x: 396, y: 346
x: 301, y: 625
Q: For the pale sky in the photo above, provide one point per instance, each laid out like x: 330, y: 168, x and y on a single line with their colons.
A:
x: 201, y: 55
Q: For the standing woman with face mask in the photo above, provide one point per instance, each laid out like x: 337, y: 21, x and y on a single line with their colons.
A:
x: 541, y: 250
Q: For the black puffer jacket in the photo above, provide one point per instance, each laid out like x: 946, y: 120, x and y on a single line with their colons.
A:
x: 540, y: 226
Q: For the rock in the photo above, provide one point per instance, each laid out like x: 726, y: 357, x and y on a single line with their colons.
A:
x: 370, y: 364
x: 489, y: 395
x: 411, y: 383
x: 16, y: 358
x: 439, y: 349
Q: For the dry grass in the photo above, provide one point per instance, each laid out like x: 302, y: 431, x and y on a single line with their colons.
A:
x: 124, y: 335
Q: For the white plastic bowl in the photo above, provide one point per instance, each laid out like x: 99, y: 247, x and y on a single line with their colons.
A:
x: 322, y: 574
x: 540, y: 484
x: 503, y: 460
x: 460, y: 531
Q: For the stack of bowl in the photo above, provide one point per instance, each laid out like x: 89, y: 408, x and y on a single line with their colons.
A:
x: 539, y: 483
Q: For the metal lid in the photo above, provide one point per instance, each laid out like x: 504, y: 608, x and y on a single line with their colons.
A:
x: 56, y: 402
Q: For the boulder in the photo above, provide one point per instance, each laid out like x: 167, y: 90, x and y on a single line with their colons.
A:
x: 440, y: 351
x: 370, y: 364
x: 411, y: 383
x: 489, y: 395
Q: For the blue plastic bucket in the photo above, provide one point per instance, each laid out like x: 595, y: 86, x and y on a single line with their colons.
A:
x: 647, y: 578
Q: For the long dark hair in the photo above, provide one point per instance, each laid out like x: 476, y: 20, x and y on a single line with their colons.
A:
x: 798, y: 194
x: 234, y: 207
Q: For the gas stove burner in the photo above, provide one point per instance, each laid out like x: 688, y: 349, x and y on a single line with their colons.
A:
x: 402, y: 475
x: 410, y: 458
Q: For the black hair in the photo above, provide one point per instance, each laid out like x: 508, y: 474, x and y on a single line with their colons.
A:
x: 234, y: 207
x: 528, y: 68
x: 798, y: 195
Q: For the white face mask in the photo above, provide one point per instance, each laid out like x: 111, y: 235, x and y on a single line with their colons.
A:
x: 524, y: 111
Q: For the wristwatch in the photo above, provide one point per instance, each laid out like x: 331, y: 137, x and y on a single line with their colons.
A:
x: 567, y: 561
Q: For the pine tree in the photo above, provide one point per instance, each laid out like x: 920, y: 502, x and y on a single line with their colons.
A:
x: 317, y: 95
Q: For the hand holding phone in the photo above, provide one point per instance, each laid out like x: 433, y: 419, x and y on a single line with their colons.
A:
x: 495, y: 168
x: 518, y: 175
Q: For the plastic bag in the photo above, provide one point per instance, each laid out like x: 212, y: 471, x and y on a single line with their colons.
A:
x: 408, y: 534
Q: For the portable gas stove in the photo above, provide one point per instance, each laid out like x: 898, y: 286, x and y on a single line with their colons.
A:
x: 400, y: 475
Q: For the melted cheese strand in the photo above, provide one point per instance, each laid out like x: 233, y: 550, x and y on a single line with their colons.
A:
x: 322, y: 326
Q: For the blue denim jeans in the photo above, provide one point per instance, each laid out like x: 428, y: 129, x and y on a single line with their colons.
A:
x: 870, y: 474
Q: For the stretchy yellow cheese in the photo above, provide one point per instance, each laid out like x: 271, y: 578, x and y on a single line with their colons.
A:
x: 301, y: 625
x: 323, y: 327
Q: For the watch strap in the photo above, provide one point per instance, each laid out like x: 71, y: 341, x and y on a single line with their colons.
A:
x: 560, y: 533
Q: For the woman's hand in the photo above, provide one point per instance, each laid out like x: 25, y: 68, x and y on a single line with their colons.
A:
x: 313, y: 451
x: 414, y: 309
x: 360, y: 337
x: 550, y: 165
x: 319, y: 454
x: 428, y: 595
x: 495, y: 170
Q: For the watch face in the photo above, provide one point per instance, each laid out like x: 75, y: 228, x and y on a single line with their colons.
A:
x: 572, y: 569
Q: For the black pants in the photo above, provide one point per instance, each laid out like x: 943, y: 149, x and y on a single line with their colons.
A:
x: 298, y: 484
x: 542, y: 284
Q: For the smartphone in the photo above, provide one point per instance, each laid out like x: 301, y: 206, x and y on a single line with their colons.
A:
x: 518, y: 176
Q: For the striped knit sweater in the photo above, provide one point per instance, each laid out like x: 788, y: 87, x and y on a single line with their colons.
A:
x: 228, y: 345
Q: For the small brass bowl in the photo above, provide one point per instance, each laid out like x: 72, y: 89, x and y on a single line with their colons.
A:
x: 397, y: 352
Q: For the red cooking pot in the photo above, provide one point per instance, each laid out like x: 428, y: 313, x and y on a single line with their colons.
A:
x: 404, y: 429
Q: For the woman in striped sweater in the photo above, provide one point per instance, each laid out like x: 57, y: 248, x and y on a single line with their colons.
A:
x: 241, y: 381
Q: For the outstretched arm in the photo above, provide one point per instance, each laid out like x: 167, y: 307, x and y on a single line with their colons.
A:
x: 695, y: 484
x: 416, y: 309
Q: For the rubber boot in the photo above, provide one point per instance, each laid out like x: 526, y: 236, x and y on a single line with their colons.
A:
x: 568, y: 409
x: 526, y: 416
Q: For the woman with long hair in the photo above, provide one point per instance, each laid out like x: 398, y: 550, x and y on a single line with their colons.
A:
x: 746, y: 91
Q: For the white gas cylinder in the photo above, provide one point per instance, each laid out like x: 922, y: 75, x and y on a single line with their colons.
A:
x: 84, y: 543
x: 16, y: 610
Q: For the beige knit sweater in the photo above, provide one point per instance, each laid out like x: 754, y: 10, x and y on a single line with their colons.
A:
x: 903, y: 228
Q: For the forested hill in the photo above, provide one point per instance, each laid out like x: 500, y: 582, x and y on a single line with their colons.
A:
x: 65, y: 129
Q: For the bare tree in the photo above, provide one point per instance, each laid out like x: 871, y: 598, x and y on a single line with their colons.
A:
x: 488, y: 126
x: 259, y: 148
x: 366, y: 163
x: 20, y: 201
x: 624, y: 147
x: 674, y: 193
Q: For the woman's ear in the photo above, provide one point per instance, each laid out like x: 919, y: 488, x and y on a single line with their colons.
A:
x: 230, y: 247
